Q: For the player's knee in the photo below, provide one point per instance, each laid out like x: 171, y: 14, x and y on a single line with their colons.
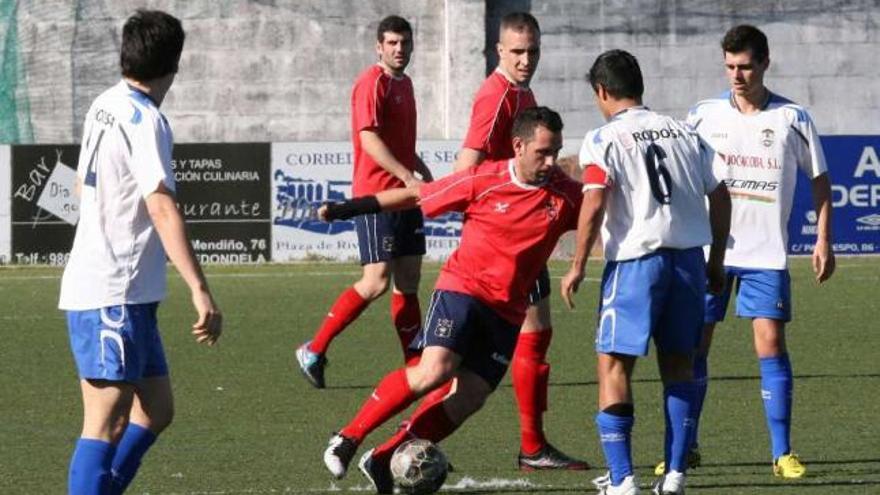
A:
x: 428, y: 376
x: 371, y: 288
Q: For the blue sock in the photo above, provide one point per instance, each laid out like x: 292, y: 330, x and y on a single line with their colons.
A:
x: 701, y: 380
x: 90, y: 467
x: 131, y: 449
x: 776, y: 390
x: 678, y: 399
x: 614, y: 434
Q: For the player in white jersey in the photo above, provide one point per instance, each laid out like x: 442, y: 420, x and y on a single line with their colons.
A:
x: 646, y: 179
x: 761, y: 140
x: 115, y: 276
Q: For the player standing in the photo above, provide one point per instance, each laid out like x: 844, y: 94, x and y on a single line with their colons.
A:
x: 515, y: 211
x: 762, y: 140
x: 383, y: 126
x: 115, y: 277
x: 646, y: 177
x: 503, y: 95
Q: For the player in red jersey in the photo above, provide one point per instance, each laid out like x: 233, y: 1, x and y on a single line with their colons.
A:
x: 503, y: 95
x: 383, y: 126
x: 515, y: 212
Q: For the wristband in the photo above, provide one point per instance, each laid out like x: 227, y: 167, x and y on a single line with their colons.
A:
x: 352, y: 208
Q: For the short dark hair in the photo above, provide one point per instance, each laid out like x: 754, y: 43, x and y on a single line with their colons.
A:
x: 531, y: 118
x: 519, y: 22
x: 619, y: 73
x: 746, y: 37
x: 393, y: 24
x: 152, y: 41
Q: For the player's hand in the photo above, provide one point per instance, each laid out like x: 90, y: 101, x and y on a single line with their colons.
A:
x: 569, y: 285
x: 413, y: 181
x: 322, y: 212
x: 210, y: 323
x: 716, y: 276
x: 823, y: 260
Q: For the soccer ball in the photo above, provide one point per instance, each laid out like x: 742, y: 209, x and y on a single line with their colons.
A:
x: 418, y: 467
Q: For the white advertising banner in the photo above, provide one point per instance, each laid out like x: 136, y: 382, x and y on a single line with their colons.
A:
x: 304, y: 175
x: 5, y: 206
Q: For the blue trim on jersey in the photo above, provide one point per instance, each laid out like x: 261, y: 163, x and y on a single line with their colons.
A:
x: 137, y: 116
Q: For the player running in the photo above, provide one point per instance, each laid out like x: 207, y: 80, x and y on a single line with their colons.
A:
x: 762, y: 139
x: 515, y: 211
x: 383, y: 127
x: 503, y: 95
x: 115, y: 277
x: 646, y: 179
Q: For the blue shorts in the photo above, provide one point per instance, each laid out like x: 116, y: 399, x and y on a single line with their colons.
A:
x: 117, y: 343
x: 466, y: 326
x: 388, y: 235
x: 541, y: 289
x: 659, y: 295
x: 759, y: 294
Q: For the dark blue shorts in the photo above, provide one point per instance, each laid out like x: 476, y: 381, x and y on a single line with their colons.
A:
x: 466, y: 326
x: 541, y: 289
x: 759, y: 294
x: 117, y: 343
x: 388, y: 235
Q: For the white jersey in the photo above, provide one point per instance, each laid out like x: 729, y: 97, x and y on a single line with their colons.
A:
x: 117, y: 257
x: 757, y: 157
x: 658, y: 172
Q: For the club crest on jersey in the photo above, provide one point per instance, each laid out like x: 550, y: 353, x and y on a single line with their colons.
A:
x: 551, y: 210
x: 398, y: 99
x: 767, y: 137
x: 501, y: 207
x: 443, y: 328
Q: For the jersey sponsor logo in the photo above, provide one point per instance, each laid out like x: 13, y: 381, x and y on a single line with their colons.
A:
x: 750, y: 161
x: 443, y: 328
x: 501, y: 207
x: 767, y: 137
x: 655, y: 135
x: 752, y: 185
x: 104, y: 117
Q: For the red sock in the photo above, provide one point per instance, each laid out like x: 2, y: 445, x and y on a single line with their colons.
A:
x: 407, y: 317
x: 346, y: 309
x: 391, y: 396
x: 429, y: 421
x: 530, y: 374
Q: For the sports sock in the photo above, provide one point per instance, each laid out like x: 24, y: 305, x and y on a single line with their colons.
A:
x: 391, y: 396
x: 530, y: 374
x: 678, y: 399
x: 614, y: 434
x: 407, y: 318
x: 776, y: 390
x: 90, y: 467
x: 701, y: 380
x: 131, y: 449
x: 346, y: 309
x: 429, y: 422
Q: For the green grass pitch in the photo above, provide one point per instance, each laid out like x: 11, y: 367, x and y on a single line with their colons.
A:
x: 247, y: 422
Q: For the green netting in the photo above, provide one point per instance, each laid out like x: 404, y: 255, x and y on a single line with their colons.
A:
x: 15, y: 118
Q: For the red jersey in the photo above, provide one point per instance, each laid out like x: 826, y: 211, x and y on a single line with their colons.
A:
x: 496, y: 105
x: 387, y: 105
x: 510, y: 230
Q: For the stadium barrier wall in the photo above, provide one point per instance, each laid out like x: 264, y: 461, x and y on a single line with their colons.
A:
x: 256, y: 202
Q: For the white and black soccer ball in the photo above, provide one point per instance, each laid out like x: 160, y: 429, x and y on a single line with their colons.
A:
x: 418, y: 467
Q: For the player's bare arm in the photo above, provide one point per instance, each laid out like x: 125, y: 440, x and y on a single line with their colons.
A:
x: 719, y: 219
x: 170, y: 226
x: 401, y: 198
x: 589, y: 221
x: 823, y: 255
x: 379, y: 152
x: 467, y: 158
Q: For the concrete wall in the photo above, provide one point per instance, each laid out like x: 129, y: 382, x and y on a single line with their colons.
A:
x: 276, y: 70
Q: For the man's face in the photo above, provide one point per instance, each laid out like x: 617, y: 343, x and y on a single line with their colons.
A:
x: 395, y: 50
x: 518, y: 54
x: 536, y: 156
x: 745, y: 72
